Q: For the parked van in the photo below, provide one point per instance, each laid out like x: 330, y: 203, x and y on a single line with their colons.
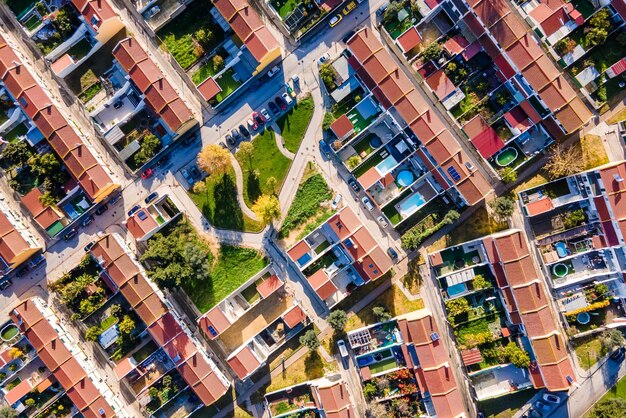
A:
x: 342, y: 349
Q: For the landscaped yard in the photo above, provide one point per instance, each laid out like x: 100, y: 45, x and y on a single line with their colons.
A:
x: 218, y: 203
x: 227, y: 83
x: 267, y: 161
x: 32, y: 22
x: 602, y: 56
x: 207, y: 70
x: 293, y: 124
x: 182, y: 36
x: 15, y: 133
x: 284, y: 7
x: 233, y: 267
x: 588, y: 350
x: 19, y: 7
x: 396, y: 27
x: 79, y: 50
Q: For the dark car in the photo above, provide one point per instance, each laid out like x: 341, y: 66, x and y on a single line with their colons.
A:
x: 236, y: 136
x: 244, y: 131
x: 133, y: 210
x: 88, y: 246
x: 280, y: 103
x: 151, y: 197
x: 115, y: 199
x: 195, y: 173
x: 355, y: 186
x: 392, y: 253
x: 381, y: 10
x: 258, y: 118
x: 102, y: 209
x: 87, y: 221
x: 223, y: 145
x: 190, y: 139
x: 22, y: 271
x: 69, y: 235
x: 618, y: 354
x: 325, y: 148
x: 230, y: 139
x: 5, y: 284
x: 163, y: 161
x: 273, y: 108
x: 118, y: 104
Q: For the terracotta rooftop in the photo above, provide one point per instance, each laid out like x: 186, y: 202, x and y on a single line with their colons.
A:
x: 209, y: 88
x: 160, y: 96
x: 342, y: 127
x: 440, y: 84
x: 244, y: 362
x: 294, y: 316
x: 409, y: 39
x: 95, y: 11
x: 269, y: 286
x: 539, y: 206
x: 141, y: 223
x: 298, y: 250
x: 204, y: 382
x: 344, y: 223
x: 216, y: 320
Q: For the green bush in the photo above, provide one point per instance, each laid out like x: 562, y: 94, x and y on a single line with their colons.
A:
x: 306, y: 203
x: 414, y: 236
x: 328, y: 120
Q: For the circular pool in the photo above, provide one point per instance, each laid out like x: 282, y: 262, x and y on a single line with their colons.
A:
x: 583, y: 318
x: 375, y: 142
x: 506, y: 157
x: 9, y: 332
x: 560, y: 270
x: 405, y: 178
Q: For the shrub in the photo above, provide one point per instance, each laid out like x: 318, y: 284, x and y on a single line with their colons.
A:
x: 457, y: 306
x: 310, y: 340
x: 517, y: 356
x: 381, y: 314
x: 508, y: 175
x: 479, y: 282
x: 337, y: 320
x: 93, y: 333
x: 30, y: 402
x: 353, y: 162
x: 328, y: 120
x: 591, y: 307
x: 503, y: 207
x: 414, y: 236
x: 370, y: 390
x: 573, y: 219
x: 218, y: 63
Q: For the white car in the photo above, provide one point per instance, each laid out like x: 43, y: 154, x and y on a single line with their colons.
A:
x: 381, y: 220
x: 265, y: 115
x: 271, y: 73
x: 547, y: 397
x: 342, y: 348
x: 367, y: 203
x: 323, y: 58
x: 295, y: 79
x: 287, y: 98
x: 336, y: 201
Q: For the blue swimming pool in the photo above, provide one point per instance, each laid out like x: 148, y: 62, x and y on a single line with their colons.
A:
x: 411, y: 204
x: 457, y: 289
x: 561, y: 249
x: 386, y: 165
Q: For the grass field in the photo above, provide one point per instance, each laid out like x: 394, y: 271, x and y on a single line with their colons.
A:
x: 267, y: 161
x: 306, y: 204
x: 205, y: 71
x: 588, y: 352
x: 308, y: 367
x: 233, y: 267
x: 218, y: 203
x: 284, y: 7
x: 228, y: 84
x: 593, y: 151
x: 294, y: 123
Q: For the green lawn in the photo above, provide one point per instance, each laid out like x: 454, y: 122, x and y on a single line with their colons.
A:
x: 268, y: 161
x: 603, y: 56
x: 218, y: 203
x: 228, y: 84
x: 617, y: 391
x: 294, y: 123
x: 306, y: 204
x: 32, y: 22
x: 205, y: 71
x: 79, y: 50
x: 284, y: 7
x: 108, y: 322
x: 505, y: 406
x: 588, y: 351
x: 234, y: 266
x: 178, y: 34
x: 14, y: 134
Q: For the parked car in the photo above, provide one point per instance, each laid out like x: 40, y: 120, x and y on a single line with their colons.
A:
x: 349, y: 7
x: 151, y: 197
x: 252, y: 125
x: 190, y: 139
x: 280, y: 103
x: 271, y: 73
x: 343, y: 351
x: 244, y: 131
x: 273, y: 108
x: 22, y: 271
x: 392, y: 253
x: 152, y: 12
x: 87, y: 221
x: 4, y: 285
x: 118, y: 104
x: 367, y: 203
x: 355, y: 186
x: 101, y: 209
x: 290, y: 90
x: 542, y: 406
x: 147, y: 174
x: 265, y: 114
x: 336, y: 201
x: 195, y: 173
x: 187, y: 177
x: 335, y: 20
x: 258, y: 118
x: 223, y: 145
x: 230, y: 139
x: 323, y: 58
x: 295, y: 79
x: 618, y: 354
x: 381, y: 220
x: 132, y: 210
x: 88, y: 246
x: 381, y: 10
x: 115, y: 199
x: 69, y: 235
x: 287, y: 98
x: 163, y: 161
x: 36, y: 261
x: 548, y: 397
x: 236, y: 136
x: 325, y: 148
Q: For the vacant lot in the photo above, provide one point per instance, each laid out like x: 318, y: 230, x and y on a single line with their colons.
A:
x: 311, y: 193
x: 293, y: 124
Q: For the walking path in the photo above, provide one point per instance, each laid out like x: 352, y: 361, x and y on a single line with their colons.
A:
x: 281, y: 144
x: 239, y: 182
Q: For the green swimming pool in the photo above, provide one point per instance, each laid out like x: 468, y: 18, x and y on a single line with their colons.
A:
x: 506, y: 157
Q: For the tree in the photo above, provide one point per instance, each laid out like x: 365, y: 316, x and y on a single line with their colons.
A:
x: 457, y: 306
x: 381, y: 313
x: 16, y: 153
x: 508, y: 175
x: 370, y: 390
x: 267, y: 208
x: 573, y: 219
x: 45, y: 165
x: 609, y: 408
x: 391, y: 13
x: 153, y: 392
x: 150, y: 145
x: 205, y: 37
x: 218, y: 63
x: 337, y: 320
x: 115, y: 310
x: 517, y: 356
x: 601, y: 290
x: 432, y: 52
x: 309, y: 340
x: 611, y: 339
x: 127, y: 325
x: 16, y: 353
x: 7, y: 412
x: 246, y: 150
x: 451, y: 217
x: 601, y: 20
x: 503, y: 207
x: 329, y: 118
x: 596, y: 36
x: 30, y: 402
x: 564, y: 162
x: 353, y: 162
x: 93, y: 333
x: 270, y: 185
x: 48, y: 199
x: 479, y: 282
x: 214, y: 160
x: 86, y: 307
x: 328, y: 74
x: 199, y: 187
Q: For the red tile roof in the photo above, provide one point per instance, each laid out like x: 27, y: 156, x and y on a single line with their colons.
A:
x: 335, y: 399
x: 342, y: 127
x: 214, y: 318
x: 456, y: 44
x: 518, y: 119
x: 269, y: 286
x: 441, y: 85
x: 205, y: 383
x: 539, y: 206
x: 488, y: 142
x: 409, y: 39
x: 141, y: 223
x: 160, y: 96
x: 298, y: 250
x: 244, y: 362
x: 294, y: 316
x: 95, y: 11
x: 209, y: 88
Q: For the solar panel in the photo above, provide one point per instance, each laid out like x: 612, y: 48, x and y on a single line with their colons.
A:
x: 454, y: 174
x: 212, y: 331
x: 292, y: 20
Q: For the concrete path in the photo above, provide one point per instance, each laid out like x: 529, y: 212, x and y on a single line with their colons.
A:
x: 281, y: 145
x: 239, y: 181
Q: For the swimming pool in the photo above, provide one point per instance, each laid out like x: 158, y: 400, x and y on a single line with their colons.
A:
x: 457, y: 289
x: 386, y: 165
x: 561, y: 249
x: 411, y: 204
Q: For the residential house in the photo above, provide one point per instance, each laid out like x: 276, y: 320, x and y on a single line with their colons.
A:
x: 321, y: 397
x: 339, y: 256
x: 150, y: 219
x: 17, y: 243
